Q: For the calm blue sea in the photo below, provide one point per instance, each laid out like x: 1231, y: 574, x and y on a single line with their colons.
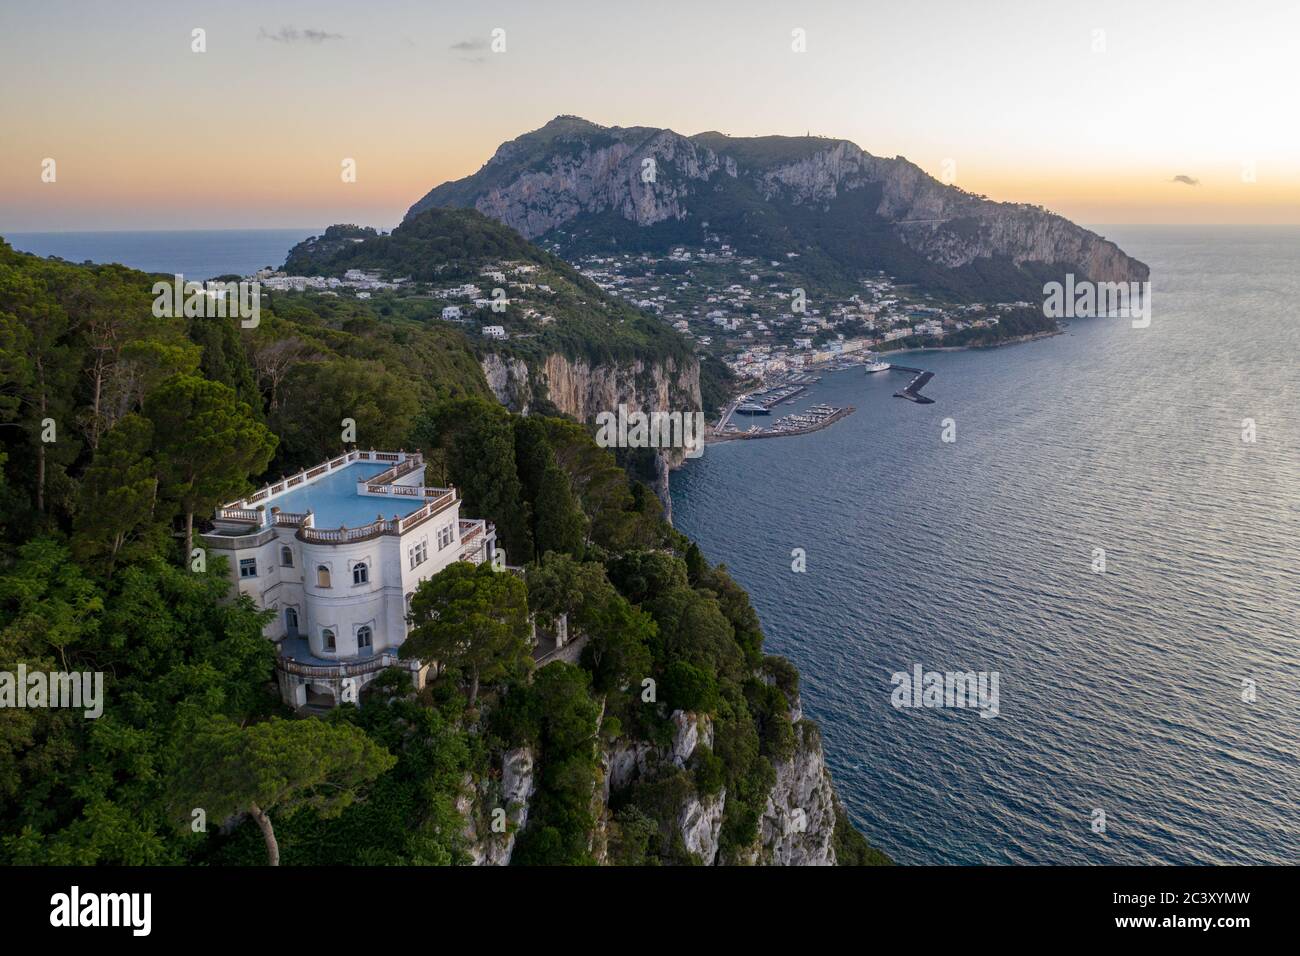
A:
x: 195, y: 254
x: 1119, y: 692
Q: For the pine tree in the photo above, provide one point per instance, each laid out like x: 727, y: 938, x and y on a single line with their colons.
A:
x: 207, y: 444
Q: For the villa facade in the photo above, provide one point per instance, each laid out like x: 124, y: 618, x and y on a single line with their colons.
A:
x: 337, y: 551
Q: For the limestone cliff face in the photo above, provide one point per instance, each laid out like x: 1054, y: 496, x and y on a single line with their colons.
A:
x: 571, y: 170
x: 583, y: 390
x: 947, y: 225
x: 798, y: 823
x: 622, y: 177
x: 496, y: 810
x: 797, y: 827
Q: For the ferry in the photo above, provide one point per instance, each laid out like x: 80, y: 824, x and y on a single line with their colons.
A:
x: 875, y: 365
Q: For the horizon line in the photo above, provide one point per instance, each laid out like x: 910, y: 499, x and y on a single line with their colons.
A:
x: 159, y: 229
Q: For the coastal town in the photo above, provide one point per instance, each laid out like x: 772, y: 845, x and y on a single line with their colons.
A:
x: 765, y: 320
x: 762, y: 318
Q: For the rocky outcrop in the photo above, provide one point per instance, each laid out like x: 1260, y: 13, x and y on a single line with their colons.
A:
x: 537, y: 186
x: 663, y: 465
x: 798, y: 824
x: 496, y: 810
x: 582, y: 390
x: 572, y: 172
x: 947, y: 225
x: 615, y: 177
x: 508, y: 378
x: 700, y: 824
x: 692, y: 730
x: 625, y: 762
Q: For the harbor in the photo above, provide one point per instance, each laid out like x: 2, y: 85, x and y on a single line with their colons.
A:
x: 762, y: 402
x: 814, y: 418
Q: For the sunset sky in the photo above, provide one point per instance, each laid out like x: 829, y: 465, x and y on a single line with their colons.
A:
x: 1027, y: 98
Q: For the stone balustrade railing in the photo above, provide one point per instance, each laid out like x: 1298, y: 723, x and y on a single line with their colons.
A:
x: 343, y: 668
x: 242, y: 510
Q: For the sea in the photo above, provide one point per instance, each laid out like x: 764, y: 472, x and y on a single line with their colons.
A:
x: 1149, y: 706
x: 1114, y: 532
x: 198, y: 255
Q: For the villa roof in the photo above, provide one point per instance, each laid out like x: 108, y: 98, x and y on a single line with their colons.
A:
x: 334, y: 501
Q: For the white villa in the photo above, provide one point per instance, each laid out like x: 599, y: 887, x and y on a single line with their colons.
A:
x: 337, y: 552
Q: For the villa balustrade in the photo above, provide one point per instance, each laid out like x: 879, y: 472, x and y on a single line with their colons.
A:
x: 342, y: 668
x: 403, y: 463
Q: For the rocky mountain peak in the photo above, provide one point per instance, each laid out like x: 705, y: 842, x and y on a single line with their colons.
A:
x: 653, y: 188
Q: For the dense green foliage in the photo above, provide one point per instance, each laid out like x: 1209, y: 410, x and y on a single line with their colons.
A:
x: 155, y: 419
x: 472, y: 619
x: 272, y: 766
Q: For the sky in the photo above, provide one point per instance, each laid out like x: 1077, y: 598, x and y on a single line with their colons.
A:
x: 1106, y: 112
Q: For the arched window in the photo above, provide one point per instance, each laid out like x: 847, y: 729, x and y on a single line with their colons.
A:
x: 365, y: 638
x: 322, y: 576
x: 286, y: 556
x: 327, y: 639
x: 360, y: 573
x: 291, y: 621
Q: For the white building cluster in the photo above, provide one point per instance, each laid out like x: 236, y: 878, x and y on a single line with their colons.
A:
x: 355, y: 279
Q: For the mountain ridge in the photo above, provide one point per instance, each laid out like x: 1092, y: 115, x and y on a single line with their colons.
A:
x: 842, y: 209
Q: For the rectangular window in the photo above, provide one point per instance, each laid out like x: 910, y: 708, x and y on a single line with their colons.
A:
x: 248, y: 567
x: 444, y: 537
x: 419, y: 554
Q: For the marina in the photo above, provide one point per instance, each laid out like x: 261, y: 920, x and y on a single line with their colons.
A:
x: 762, y: 402
x: 814, y: 418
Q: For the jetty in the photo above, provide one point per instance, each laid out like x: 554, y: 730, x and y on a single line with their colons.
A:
x: 912, y: 390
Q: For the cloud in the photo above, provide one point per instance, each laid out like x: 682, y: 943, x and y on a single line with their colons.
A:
x: 468, y: 46
x: 293, y: 35
x: 1185, y: 180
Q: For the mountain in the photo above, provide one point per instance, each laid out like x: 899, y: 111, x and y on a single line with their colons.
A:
x: 570, y: 344
x: 844, y: 212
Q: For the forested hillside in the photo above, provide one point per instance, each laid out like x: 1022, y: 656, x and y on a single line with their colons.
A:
x: 556, y: 309
x: 120, y: 433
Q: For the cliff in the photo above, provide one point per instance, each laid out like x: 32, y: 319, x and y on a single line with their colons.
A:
x: 495, y: 810
x: 581, y: 388
x: 588, y: 187
x: 801, y: 823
